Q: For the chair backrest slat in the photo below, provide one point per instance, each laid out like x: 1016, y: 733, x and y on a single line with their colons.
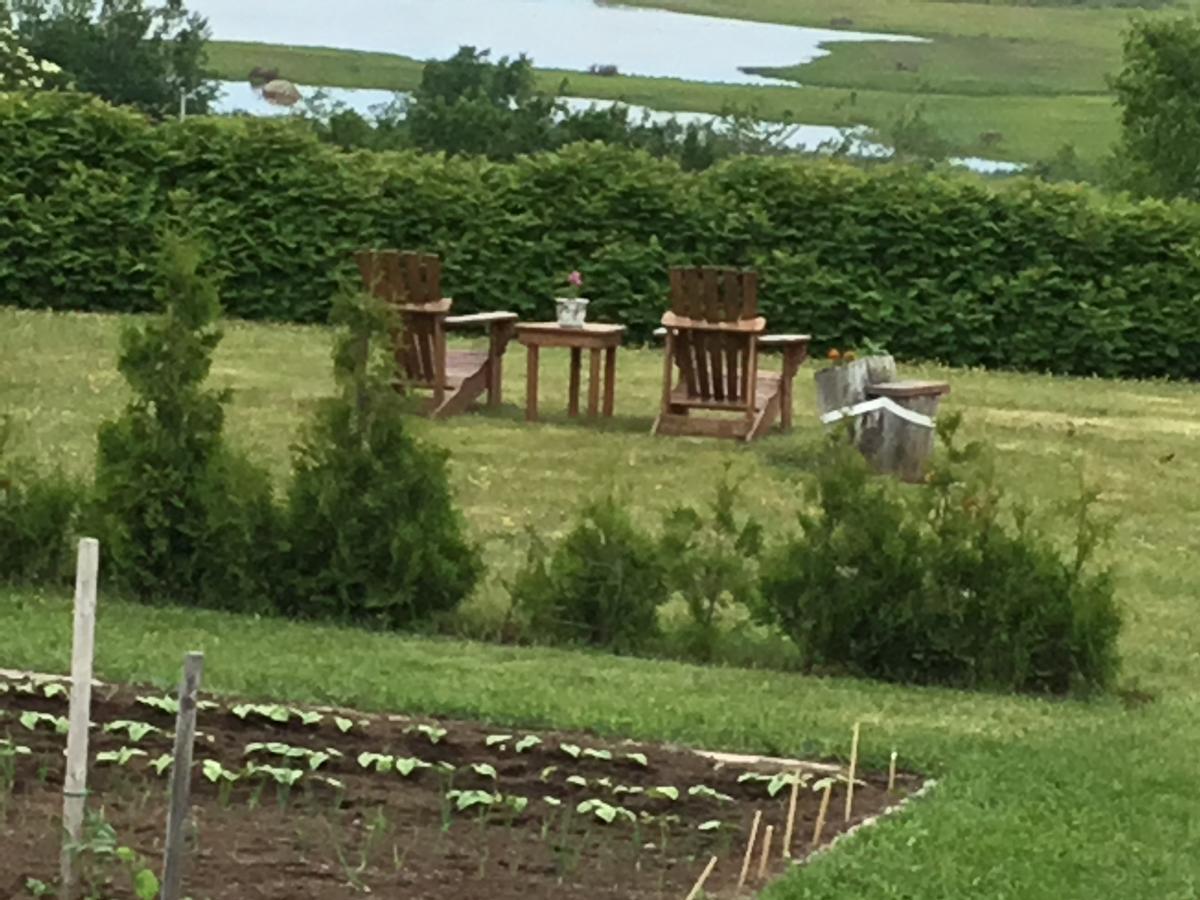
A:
x: 412, y: 282
x: 714, y: 365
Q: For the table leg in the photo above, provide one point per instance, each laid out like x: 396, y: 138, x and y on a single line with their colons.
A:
x: 531, y: 383
x: 594, y: 385
x: 610, y: 380
x: 573, y: 390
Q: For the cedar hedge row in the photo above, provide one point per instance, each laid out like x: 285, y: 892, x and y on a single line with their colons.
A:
x: 1030, y: 276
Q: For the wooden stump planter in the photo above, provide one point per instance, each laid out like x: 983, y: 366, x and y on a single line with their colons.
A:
x: 891, y: 420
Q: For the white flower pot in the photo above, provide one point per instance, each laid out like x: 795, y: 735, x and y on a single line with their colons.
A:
x: 571, y: 311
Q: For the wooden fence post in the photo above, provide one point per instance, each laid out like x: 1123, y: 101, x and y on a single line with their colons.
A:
x: 181, y: 777
x: 82, y: 651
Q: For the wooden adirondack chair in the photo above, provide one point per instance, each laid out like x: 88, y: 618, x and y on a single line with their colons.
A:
x: 713, y: 338
x: 412, y: 282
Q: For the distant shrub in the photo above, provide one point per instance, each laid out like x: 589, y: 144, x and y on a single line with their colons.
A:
x: 373, y: 532
x: 948, y: 585
x: 181, y: 516
x: 601, y: 585
x: 711, y: 562
x: 38, y: 513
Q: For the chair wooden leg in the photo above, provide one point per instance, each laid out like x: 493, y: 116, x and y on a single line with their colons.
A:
x: 610, y: 381
x: 765, y: 418
x: 573, y: 388
x: 594, y: 385
x: 531, y: 383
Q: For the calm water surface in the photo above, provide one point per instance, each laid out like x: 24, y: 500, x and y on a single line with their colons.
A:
x: 558, y: 34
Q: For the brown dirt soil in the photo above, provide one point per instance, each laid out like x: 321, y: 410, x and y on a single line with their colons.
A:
x: 393, y: 835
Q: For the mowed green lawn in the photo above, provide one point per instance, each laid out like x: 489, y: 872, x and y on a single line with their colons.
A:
x: 1037, y: 799
x: 1005, y: 81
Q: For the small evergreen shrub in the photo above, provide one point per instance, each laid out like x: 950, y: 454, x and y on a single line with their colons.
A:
x: 181, y: 517
x: 712, y: 563
x: 375, y: 537
x: 38, y: 514
x: 601, y: 585
x: 947, y: 585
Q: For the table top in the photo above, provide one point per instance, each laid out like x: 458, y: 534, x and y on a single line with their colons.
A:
x: 551, y: 334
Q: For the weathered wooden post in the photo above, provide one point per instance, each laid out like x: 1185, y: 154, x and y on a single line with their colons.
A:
x: 181, y: 777
x: 82, y: 651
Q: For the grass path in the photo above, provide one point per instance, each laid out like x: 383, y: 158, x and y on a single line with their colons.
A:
x: 1038, y: 799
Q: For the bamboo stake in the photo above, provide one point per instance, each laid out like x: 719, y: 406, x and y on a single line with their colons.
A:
x: 786, y: 850
x: 749, y: 850
x: 892, y: 773
x: 853, y: 772
x: 82, y: 652
x: 766, y: 852
x: 820, y: 826
x: 181, y: 777
x: 699, y: 885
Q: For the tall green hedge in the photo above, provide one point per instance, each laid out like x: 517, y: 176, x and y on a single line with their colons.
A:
x: 1033, y: 276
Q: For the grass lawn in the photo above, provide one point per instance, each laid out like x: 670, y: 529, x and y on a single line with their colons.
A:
x: 1035, y: 75
x: 1038, y: 799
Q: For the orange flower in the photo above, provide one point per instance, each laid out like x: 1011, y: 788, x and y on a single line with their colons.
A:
x: 849, y: 357
x: 834, y: 355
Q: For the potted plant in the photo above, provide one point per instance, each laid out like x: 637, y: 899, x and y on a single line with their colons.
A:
x: 571, y: 309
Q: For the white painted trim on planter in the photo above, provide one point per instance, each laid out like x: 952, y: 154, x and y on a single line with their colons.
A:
x: 867, y: 406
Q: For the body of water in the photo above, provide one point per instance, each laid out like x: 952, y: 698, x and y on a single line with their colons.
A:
x: 557, y: 34
x: 240, y: 97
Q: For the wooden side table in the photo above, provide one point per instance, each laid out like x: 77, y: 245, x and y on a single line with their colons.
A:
x: 591, y: 337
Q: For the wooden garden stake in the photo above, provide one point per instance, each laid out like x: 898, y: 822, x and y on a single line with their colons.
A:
x: 82, y: 651
x: 749, y: 850
x: 892, y: 773
x: 766, y: 852
x: 699, y: 885
x: 181, y: 776
x: 853, y: 772
x: 786, y: 851
x: 820, y: 826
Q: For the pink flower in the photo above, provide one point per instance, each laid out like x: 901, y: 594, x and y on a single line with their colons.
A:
x: 575, y: 279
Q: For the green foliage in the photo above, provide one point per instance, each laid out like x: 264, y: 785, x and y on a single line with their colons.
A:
x: 712, y: 563
x: 601, y: 584
x: 1158, y: 90
x: 180, y: 515
x: 1034, y: 276
x: 126, y: 52
x: 374, y: 534
x: 20, y: 69
x: 38, y: 514
x: 948, y: 585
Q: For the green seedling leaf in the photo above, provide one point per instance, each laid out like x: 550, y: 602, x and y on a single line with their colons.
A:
x: 316, y: 760
x: 433, y: 732
x: 162, y: 763
x: 602, y: 782
x: 8, y: 749
x: 527, y: 743
x: 493, y: 739
x: 145, y: 885
x: 639, y: 758
x: 702, y: 790
x: 710, y: 825
x: 410, y: 764
x: 29, y: 720
x: 548, y: 772
x: 285, y: 776
x: 215, y: 772
x: 136, y: 730
x: 605, y: 812
x: 274, y: 713
x: 823, y: 783
x: 484, y: 769
x: 242, y: 710
x: 445, y: 766
x: 598, y: 754
x: 207, y: 705
x: 120, y: 757
x: 518, y: 804
x: 343, y: 725
x: 552, y: 801
x: 467, y: 799
x: 626, y: 789
x: 778, y: 783
x: 752, y: 776
x: 665, y: 792
x: 382, y: 762
x: 162, y: 704
x: 572, y: 750
x: 577, y: 781
x: 54, y: 689
x: 307, y: 718
x: 332, y: 782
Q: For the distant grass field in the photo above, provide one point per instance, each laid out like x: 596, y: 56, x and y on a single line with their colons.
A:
x: 1038, y: 800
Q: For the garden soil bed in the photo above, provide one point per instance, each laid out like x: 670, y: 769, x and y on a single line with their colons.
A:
x: 344, y: 827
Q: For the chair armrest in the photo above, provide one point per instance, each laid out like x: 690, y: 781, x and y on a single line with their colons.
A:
x: 777, y: 341
x: 481, y: 319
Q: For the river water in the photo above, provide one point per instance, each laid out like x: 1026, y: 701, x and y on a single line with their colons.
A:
x: 556, y: 34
